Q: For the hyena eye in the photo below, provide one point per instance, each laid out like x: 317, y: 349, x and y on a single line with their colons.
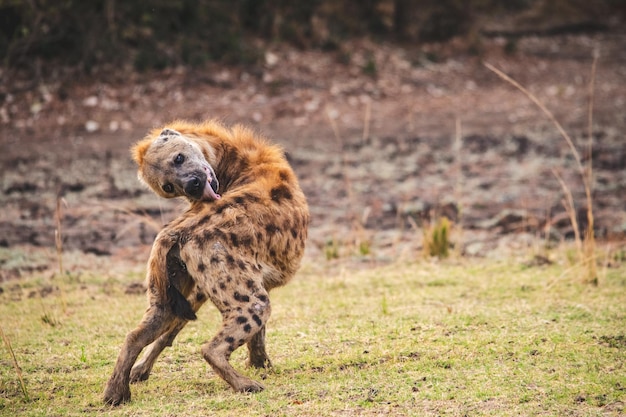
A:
x: 180, y: 158
x: 168, y: 188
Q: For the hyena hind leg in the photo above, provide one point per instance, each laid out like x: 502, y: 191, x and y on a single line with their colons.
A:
x: 258, y: 357
x: 141, y: 370
x: 237, y: 329
x: 178, y: 275
x: 156, y: 321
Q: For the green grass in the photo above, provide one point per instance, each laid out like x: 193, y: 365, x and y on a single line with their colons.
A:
x: 461, y: 337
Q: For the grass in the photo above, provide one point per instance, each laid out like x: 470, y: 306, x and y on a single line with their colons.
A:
x: 436, y: 238
x: 460, y: 337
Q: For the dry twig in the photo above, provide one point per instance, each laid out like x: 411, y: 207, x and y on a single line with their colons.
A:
x: 16, y: 366
x: 568, y: 204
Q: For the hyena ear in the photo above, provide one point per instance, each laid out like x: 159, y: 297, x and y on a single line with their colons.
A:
x: 139, y: 150
x: 169, y: 132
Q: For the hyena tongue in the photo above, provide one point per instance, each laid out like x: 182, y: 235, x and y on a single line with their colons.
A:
x: 208, y: 193
x: 211, y: 186
x: 214, y: 184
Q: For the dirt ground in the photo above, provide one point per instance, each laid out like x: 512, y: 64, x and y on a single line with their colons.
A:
x: 383, y: 138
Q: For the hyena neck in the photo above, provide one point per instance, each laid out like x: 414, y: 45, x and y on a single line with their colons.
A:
x: 238, y: 159
x: 225, y: 160
x: 233, y: 167
x: 209, y: 150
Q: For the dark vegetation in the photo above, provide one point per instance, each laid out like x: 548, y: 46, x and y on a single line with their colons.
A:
x: 80, y: 80
x: 156, y: 34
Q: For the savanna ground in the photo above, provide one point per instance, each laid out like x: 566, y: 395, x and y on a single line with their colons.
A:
x: 464, y: 337
x: 384, y: 139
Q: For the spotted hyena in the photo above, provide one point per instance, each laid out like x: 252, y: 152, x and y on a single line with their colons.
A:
x: 242, y: 235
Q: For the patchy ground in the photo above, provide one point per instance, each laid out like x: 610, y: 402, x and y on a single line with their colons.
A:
x: 382, y: 138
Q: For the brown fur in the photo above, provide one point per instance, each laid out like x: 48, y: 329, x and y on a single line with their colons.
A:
x: 231, y: 251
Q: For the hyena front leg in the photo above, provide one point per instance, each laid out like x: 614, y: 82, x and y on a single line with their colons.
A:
x: 240, y: 325
x: 156, y: 321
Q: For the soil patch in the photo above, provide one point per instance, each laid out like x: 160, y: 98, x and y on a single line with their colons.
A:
x: 382, y: 139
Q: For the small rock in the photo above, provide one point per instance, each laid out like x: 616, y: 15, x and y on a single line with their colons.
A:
x: 475, y: 249
x: 312, y: 105
x: 135, y: 288
x: 4, y: 115
x: 91, y: 101
x: 92, y: 126
x: 508, y: 219
x: 36, y: 107
x: 538, y: 260
x: 271, y: 59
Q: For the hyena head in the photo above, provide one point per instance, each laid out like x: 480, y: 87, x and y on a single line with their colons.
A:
x: 174, y: 166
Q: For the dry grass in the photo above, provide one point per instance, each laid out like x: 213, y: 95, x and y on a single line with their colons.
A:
x: 587, y: 246
x: 16, y: 366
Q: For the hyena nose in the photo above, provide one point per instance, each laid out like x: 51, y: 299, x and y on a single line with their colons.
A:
x: 194, y: 187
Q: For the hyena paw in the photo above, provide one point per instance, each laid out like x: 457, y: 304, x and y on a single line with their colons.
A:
x: 115, y: 395
x: 248, y: 385
x: 138, y: 374
x: 261, y: 362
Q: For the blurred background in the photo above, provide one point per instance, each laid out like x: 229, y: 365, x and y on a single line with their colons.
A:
x: 162, y: 33
x: 386, y: 109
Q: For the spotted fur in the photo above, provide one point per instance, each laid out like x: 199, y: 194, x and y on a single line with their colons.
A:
x: 231, y: 248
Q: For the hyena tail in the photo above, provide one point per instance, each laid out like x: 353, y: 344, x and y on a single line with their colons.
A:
x: 178, y: 278
x: 179, y: 304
